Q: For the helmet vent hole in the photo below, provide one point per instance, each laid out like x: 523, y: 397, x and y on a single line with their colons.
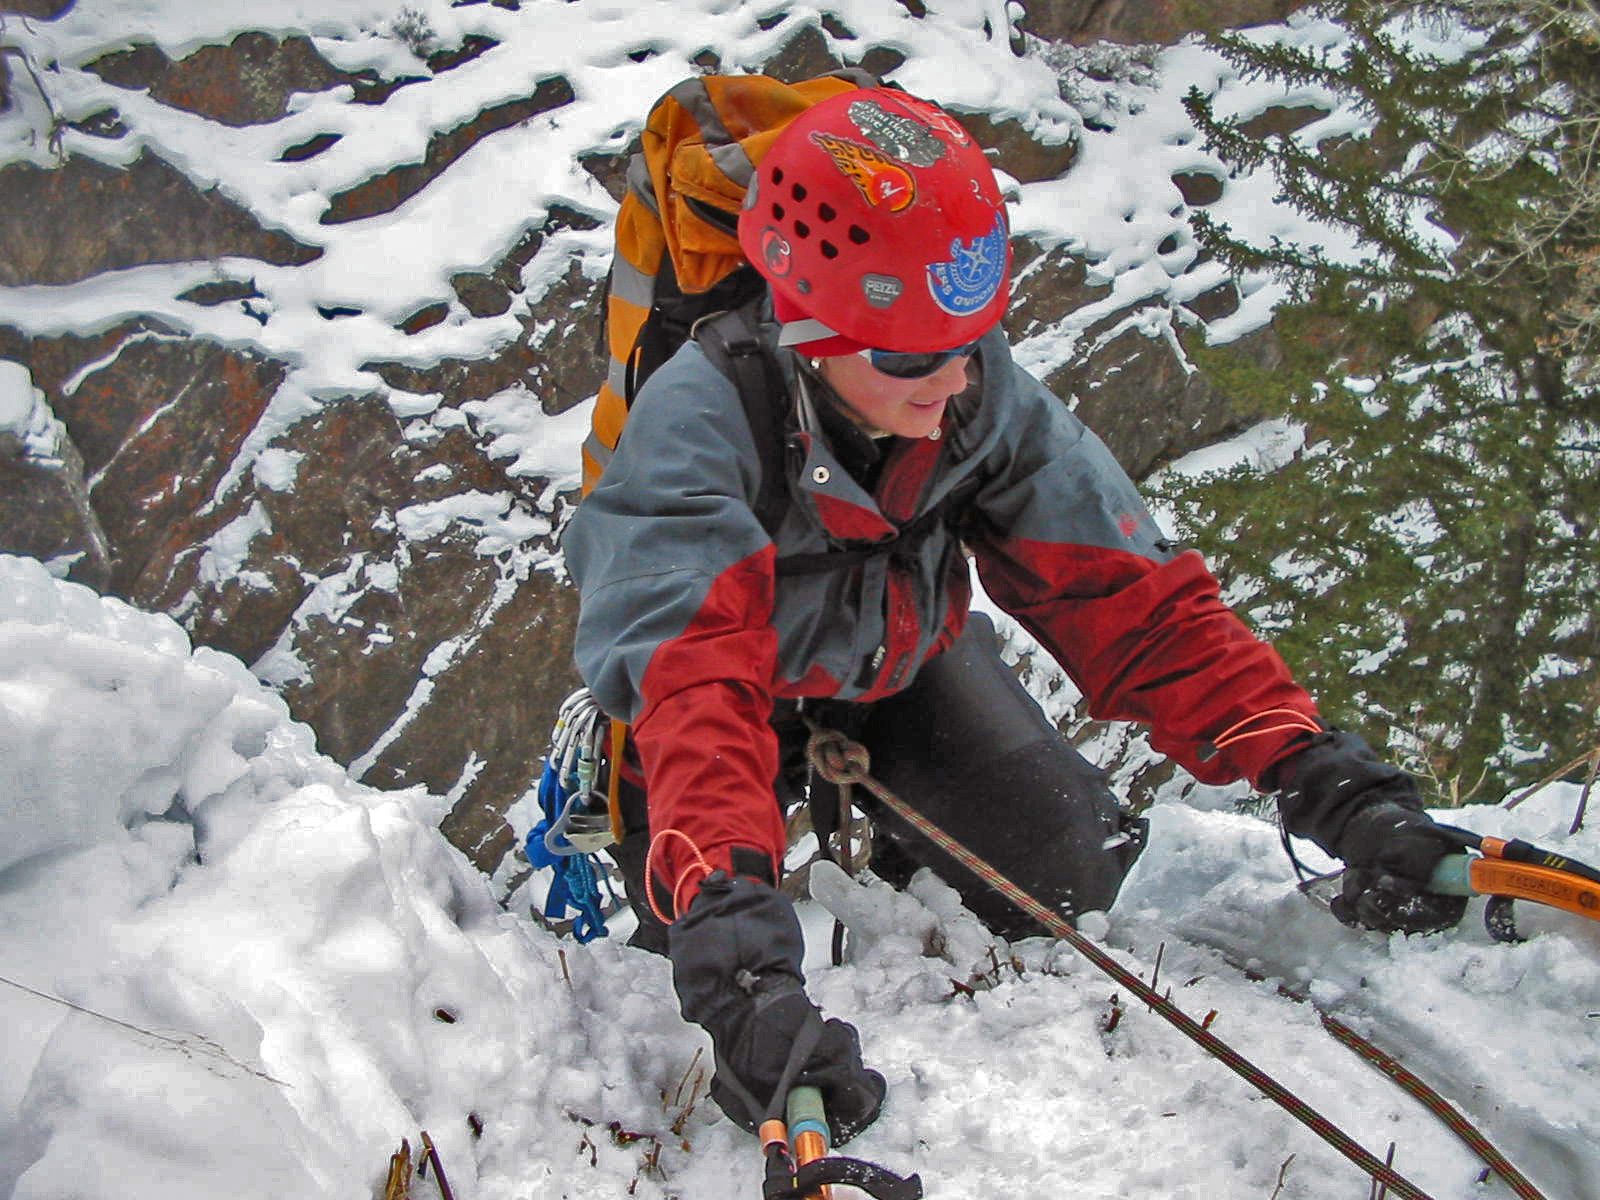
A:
x: 798, y: 191
x: 801, y: 229
x: 777, y: 174
x: 829, y: 250
x: 777, y: 212
x: 825, y: 212
x: 859, y: 235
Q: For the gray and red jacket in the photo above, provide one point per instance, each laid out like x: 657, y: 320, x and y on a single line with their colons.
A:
x: 686, y: 631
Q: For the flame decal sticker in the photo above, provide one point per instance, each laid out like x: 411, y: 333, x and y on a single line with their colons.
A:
x: 878, y: 177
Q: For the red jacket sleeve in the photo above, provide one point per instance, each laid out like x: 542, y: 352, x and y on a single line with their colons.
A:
x: 1153, y: 642
x: 703, y: 734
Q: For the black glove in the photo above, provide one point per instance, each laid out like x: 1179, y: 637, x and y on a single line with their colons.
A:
x: 736, y: 966
x: 1337, y: 793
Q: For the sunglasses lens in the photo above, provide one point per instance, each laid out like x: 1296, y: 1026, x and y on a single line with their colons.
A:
x: 917, y: 366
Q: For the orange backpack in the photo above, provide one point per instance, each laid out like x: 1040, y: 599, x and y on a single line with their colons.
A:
x: 677, y: 255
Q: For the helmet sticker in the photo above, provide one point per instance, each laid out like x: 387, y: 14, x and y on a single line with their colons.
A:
x: 970, y: 277
x: 898, y: 136
x: 937, y: 118
x: 878, y: 177
x: 881, y: 290
x: 776, y: 253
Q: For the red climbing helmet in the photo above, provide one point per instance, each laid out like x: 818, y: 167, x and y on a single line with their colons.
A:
x: 877, y: 221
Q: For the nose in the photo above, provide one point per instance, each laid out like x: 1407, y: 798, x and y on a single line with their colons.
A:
x: 951, y: 378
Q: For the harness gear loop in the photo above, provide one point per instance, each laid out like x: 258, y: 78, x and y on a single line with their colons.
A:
x: 844, y: 763
x: 840, y: 760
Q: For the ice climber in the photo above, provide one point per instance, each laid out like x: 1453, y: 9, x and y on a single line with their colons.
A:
x: 879, y: 228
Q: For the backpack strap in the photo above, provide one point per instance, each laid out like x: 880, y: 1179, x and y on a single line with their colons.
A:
x: 733, y: 343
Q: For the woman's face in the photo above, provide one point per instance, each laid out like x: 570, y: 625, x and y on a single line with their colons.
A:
x: 880, y: 403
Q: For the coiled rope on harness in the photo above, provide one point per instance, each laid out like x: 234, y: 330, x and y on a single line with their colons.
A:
x: 845, y: 762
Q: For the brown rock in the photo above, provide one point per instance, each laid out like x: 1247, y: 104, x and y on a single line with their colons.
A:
x: 557, y: 358
x: 481, y: 295
x: 610, y: 169
x: 1198, y: 188
x: 39, y: 10
x: 158, y: 426
x: 74, y: 221
x: 1221, y: 301
x: 140, y: 67
x: 1051, y: 285
x: 557, y: 362
x: 1147, y: 407
x: 501, y: 717
x: 1144, y: 21
x: 247, y: 82
x: 425, y: 317
x: 1280, y: 120
x: 393, y: 604
x: 310, y: 148
x: 805, y: 54
x: 223, y: 291
x: 45, y: 510
x: 1017, y: 152
x: 474, y: 45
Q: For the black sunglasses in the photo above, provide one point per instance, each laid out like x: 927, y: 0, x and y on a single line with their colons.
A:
x: 897, y: 365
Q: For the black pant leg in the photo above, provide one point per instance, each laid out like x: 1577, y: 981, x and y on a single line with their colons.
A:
x: 967, y: 747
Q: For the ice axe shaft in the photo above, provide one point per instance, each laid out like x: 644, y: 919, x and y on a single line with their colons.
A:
x: 808, y: 1133
x: 799, y: 1166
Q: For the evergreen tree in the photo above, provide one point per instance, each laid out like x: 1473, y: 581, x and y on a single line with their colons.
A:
x: 1429, y: 562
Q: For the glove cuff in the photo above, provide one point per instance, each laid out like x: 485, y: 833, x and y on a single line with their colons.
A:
x: 1335, y: 777
x: 739, y: 938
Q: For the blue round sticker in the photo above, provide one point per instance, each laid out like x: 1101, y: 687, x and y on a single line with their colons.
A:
x: 970, y: 277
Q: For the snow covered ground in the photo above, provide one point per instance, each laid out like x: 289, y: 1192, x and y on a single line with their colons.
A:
x: 229, y: 969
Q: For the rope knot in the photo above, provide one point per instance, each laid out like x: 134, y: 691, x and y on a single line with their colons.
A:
x: 837, y: 758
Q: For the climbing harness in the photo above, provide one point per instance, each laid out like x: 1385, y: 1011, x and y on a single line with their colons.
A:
x: 841, y: 761
x: 576, y: 821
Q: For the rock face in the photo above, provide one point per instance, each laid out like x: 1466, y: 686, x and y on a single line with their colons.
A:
x: 384, y: 551
x: 1081, y: 22
x: 83, y: 217
x: 44, y: 499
